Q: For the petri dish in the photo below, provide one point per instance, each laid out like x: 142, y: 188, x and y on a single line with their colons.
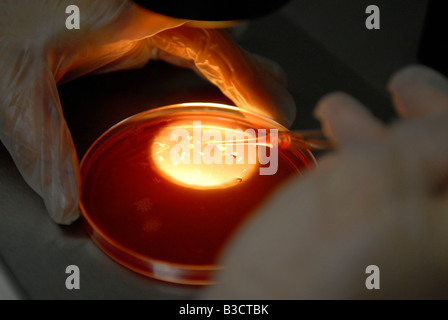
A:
x: 163, y: 191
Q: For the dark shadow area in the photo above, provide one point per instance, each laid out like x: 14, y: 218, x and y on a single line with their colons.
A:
x: 311, y: 70
x: 433, y: 48
x: 74, y: 231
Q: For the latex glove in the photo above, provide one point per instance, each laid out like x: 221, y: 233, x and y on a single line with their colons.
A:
x: 37, y: 52
x: 381, y: 199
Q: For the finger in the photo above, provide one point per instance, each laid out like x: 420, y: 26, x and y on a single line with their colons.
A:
x: 158, y: 54
x: 272, y: 67
x: 33, y: 130
x: 239, y: 75
x: 117, y: 41
x: 418, y: 91
x: 118, y: 56
x: 346, y: 121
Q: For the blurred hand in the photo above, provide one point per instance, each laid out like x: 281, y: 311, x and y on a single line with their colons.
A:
x: 380, y: 199
x: 37, y: 52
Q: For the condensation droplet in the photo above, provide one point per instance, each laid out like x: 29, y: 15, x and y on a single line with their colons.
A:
x: 239, y: 180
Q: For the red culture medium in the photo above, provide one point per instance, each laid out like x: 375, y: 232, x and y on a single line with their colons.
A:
x: 155, y: 226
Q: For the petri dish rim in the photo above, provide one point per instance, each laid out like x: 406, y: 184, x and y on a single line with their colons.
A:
x: 155, y: 263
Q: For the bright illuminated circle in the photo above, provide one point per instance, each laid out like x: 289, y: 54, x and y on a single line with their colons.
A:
x: 203, y: 157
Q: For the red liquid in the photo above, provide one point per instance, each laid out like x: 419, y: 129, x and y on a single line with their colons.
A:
x: 136, y: 214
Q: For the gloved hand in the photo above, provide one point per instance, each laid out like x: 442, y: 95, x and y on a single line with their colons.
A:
x: 37, y: 51
x: 380, y: 199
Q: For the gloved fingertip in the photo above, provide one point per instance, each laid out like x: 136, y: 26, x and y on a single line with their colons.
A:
x: 346, y: 121
x: 418, y: 91
x: 407, y: 77
x: 63, y: 209
x: 335, y: 105
x: 67, y: 217
x: 61, y: 191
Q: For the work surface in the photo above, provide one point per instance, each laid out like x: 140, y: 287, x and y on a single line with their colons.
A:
x: 35, y: 252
